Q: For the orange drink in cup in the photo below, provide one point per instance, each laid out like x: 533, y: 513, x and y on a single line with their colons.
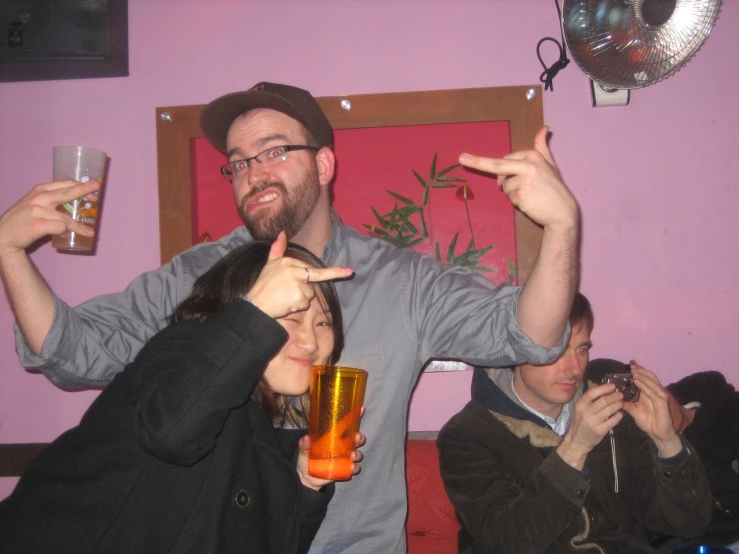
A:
x: 336, y: 399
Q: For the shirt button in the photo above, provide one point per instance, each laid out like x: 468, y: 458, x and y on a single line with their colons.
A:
x: 242, y: 499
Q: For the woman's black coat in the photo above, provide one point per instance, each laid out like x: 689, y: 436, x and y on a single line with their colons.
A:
x: 173, y: 456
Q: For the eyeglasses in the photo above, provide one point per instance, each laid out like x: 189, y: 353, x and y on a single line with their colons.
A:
x: 272, y: 156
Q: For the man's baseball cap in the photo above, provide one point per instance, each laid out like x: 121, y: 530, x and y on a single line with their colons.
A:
x: 295, y: 102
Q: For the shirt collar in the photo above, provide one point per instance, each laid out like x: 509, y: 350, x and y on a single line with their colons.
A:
x: 337, y: 237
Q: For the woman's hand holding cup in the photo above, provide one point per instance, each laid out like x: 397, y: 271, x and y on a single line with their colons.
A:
x: 314, y: 482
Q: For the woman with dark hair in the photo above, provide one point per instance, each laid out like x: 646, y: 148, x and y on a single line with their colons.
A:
x: 199, y: 444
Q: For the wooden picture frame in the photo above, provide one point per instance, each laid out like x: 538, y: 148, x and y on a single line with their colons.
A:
x: 17, y: 64
x: 521, y: 106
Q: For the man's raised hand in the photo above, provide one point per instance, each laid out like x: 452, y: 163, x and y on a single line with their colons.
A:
x: 532, y: 182
x: 34, y: 216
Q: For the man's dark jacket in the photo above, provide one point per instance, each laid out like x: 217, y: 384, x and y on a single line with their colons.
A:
x: 514, y: 494
x: 173, y: 457
x: 714, y: 433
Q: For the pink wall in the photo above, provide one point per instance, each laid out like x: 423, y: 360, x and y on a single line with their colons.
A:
x: 656, y: 180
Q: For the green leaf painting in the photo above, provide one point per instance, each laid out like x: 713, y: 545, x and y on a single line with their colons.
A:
x: 397, y: 228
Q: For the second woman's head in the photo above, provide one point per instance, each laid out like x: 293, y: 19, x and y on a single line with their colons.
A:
x: 315, y: 335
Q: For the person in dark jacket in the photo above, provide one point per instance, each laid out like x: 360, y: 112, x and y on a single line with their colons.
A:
x: 705, y: 410
x: 198, y: 445
x: 707, y: 414
x: 540, y: 461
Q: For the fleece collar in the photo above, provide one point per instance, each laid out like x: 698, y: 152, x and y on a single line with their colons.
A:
x: 489, y: 389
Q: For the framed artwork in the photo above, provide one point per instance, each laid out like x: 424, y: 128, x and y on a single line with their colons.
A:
x: 396, y: 177
x: 63, y: 39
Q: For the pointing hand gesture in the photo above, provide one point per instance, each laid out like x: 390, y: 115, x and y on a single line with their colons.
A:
x: 284, y: 284
x: 532, y: 182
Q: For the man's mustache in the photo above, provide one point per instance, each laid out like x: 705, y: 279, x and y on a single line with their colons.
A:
x: 278, y: 185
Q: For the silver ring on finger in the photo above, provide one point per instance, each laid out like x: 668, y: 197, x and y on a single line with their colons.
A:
x: 307, y: 275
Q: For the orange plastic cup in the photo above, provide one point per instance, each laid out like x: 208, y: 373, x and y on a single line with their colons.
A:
x: 336, y: 399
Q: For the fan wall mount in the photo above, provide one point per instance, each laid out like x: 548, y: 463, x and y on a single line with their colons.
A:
x: 629, y: 44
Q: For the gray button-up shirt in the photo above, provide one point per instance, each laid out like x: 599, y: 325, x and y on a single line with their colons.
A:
x: 400, y: 310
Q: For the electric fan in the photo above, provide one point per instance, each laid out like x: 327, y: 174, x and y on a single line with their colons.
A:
x: 629, y: 44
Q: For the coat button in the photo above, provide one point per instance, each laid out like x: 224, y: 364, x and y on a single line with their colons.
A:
x: 581, y: 493
x: 668, y: 474
x: 242, y: 498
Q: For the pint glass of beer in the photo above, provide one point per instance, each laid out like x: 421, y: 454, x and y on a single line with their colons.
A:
x: 336, y: 399
x: 80, y: 164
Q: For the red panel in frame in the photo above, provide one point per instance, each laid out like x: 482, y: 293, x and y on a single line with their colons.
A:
x: 214, y: 212
x: 395, y: 171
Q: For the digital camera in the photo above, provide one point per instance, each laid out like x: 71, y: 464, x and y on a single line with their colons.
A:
x: 624, y: 384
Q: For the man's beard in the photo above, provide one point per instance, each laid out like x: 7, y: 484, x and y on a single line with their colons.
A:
x: 296, y: 207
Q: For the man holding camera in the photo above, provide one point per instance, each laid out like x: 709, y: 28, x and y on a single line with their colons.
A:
x: 542, y: 461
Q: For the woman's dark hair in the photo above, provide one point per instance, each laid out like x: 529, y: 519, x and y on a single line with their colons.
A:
x: 230, y: 279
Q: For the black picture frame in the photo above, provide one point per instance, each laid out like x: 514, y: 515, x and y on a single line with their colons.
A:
x: 113, y: 64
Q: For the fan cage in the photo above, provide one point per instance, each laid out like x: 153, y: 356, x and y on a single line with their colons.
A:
x: 616, y: 47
